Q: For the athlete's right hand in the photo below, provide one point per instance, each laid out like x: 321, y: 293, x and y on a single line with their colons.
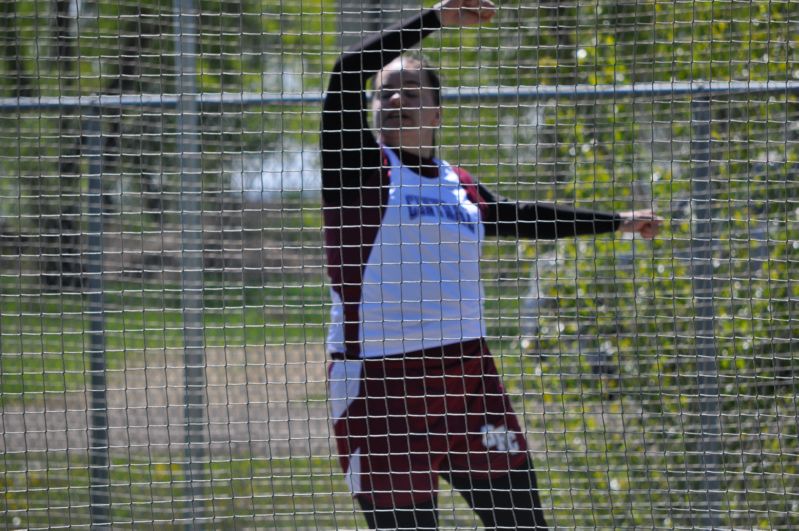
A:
x: 457, y: 13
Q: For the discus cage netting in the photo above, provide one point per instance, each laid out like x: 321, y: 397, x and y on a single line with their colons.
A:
x: 163, y: 299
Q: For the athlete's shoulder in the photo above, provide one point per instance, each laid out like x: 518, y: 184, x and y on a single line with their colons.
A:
x: 469, y: 183
x: 464, y: 176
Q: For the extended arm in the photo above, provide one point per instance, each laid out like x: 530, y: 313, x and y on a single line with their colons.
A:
x: 546, y: 221
x: 543, y: 221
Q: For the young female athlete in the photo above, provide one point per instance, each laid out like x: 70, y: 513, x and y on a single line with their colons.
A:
x: 414, y: 391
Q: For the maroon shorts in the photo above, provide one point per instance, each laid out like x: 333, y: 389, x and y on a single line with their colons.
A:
x: 399, y: 421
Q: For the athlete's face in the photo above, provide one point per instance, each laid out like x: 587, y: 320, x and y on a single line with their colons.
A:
x: 406, y: 112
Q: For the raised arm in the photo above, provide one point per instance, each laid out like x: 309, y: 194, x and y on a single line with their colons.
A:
x: 350, y: 153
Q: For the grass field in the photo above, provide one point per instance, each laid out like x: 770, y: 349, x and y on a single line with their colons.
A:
x: 289, y: 493
x: 44, y: 336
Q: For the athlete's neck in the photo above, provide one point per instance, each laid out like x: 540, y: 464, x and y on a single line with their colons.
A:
x: 422, y: 165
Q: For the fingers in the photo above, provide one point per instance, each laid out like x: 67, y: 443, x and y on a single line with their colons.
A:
x: 648, y: 229
x: 465, y: 12
x: 484, y: 11
x: 643, y: 222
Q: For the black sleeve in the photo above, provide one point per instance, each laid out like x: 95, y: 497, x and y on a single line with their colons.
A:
x: 541, y: 221
x: 349, y: 150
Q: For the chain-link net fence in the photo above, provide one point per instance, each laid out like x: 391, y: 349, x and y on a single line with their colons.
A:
x: 163, y: 294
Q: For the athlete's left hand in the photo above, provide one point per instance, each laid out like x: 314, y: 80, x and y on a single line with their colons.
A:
x: 459, y: 13
x: 642, y: 222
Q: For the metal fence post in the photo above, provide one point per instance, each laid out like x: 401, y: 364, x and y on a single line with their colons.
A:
x: 188, y: 151
x: 708, y: 394
x: 99, y: 481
